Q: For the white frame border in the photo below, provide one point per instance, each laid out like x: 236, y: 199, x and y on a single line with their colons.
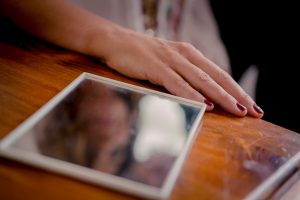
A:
x: 89, y: 175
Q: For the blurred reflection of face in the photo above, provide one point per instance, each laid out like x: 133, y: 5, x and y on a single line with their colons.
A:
x: 104, y: 117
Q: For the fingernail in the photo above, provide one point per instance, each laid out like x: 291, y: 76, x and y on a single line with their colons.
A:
x: 258, y: 109
x: 210, y: 104
x: 240, y: 107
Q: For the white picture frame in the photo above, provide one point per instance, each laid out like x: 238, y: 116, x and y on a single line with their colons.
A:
x: 8, y: 150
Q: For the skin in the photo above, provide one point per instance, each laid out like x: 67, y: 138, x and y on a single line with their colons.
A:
x: 179, y: 67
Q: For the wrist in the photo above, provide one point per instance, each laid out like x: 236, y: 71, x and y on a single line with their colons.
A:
x: 102, y: 40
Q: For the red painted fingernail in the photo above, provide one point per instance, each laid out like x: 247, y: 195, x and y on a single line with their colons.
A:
x: 210, y: 104
x: 258, y: 109
x: 240, y: 107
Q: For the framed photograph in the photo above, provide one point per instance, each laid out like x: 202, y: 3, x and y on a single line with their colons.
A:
x: 109, y: 133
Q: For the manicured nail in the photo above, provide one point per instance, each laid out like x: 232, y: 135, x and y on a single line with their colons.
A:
x: 258, y: 109
x: 208, y: 103
x: 240, y: 107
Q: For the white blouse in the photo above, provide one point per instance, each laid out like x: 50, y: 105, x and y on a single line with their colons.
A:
x: 196, y: 26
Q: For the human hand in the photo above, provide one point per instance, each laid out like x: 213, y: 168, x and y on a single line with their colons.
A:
x: 179, y: 67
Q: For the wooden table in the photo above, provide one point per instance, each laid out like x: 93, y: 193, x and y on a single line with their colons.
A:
x: 229, y: 158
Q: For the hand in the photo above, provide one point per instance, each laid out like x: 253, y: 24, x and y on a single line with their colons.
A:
x: 179, y: 67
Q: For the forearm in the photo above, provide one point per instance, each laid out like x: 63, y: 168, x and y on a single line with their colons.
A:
x: 179, y: 67
x: 62, y: 23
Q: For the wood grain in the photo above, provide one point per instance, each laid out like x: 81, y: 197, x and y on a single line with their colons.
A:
x: 230, y: 157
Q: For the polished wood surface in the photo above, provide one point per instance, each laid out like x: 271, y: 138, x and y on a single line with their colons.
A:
x: 229, y: 158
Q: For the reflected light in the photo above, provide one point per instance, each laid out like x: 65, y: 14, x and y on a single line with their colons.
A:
x: 162, y: 133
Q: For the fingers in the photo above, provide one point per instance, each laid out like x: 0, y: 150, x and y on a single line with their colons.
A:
x: 183, y: 71
x: 175, y: 84
x: 203, y: 83
x: 233, y: 88
x: 223, y: 79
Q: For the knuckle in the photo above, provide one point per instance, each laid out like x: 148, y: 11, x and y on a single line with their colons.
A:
x: 225, y: 76
x: 245, y: 97
x: 185, y: 47
x: 204, y: 77
x: 162, y: 45
x: 172, y: 57
x: 224, y: 96
x: 155, y: 76
x: 168, y: 55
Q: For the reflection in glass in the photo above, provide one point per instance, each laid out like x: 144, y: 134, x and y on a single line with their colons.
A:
x: 113, y: 130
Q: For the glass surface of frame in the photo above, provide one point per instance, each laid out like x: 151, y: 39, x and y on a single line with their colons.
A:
x: 110, y: 133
